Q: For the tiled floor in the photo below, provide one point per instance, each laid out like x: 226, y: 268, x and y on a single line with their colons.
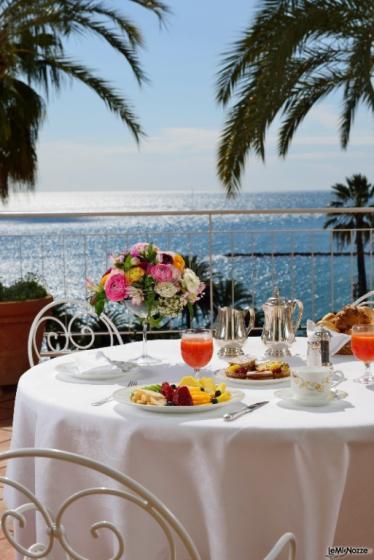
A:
x: 6, y: 417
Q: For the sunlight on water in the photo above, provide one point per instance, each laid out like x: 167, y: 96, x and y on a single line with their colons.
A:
x: 65, y: 251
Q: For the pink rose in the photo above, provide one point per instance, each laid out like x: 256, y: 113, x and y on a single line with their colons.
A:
x: 139, y: 249
x: 116, y: 287
x: 161, y: 272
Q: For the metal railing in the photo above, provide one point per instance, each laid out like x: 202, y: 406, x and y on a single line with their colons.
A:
x: 252, y: 250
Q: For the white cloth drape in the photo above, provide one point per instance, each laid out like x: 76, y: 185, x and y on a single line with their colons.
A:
x: 236, y: 486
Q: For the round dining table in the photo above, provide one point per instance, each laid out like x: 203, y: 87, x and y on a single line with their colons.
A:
x: 235, y: 486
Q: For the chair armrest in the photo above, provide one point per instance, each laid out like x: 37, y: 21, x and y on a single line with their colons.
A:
x: 286, y: 540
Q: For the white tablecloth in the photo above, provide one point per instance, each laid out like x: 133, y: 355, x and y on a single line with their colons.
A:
x: 235, y: 486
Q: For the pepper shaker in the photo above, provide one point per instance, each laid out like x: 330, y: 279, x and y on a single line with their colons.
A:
x: 318, y: 353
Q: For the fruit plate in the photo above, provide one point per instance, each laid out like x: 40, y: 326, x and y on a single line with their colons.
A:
x: 221, y: 375
x: 123, y: 396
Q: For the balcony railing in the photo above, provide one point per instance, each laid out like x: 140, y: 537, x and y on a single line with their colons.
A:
x: 254, y: 249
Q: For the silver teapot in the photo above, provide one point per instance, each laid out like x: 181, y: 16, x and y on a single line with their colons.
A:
x: 279, y: 327
x: 231, y: 331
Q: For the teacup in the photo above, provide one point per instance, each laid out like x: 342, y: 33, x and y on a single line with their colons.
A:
x: 311, y: 383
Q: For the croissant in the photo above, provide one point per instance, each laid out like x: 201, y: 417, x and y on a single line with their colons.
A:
x: 344, y: 320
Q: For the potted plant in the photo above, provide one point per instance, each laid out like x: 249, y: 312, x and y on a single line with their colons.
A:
x: 19, y: 304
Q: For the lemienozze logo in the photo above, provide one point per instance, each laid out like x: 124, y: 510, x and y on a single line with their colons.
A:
x: 334, y: 552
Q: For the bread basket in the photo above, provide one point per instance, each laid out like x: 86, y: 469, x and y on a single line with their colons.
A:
x: 360, y: 311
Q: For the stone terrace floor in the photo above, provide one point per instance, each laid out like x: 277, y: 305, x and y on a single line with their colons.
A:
x: 6, y: 417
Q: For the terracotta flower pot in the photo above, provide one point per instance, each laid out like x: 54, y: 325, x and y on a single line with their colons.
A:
x: 15, y: 322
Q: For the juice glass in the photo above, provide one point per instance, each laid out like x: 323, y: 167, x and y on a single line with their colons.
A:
x: 363, y: 349
x: 197, y: 348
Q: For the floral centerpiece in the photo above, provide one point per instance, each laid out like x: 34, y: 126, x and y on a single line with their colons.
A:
x: 154, y: 284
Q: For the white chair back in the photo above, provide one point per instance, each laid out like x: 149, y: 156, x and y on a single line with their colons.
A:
x: 130, y: 491
x: 286, y: 541
x: 70, y: 333
x: 364, y: 300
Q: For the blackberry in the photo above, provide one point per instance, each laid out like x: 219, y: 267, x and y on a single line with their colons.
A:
x: 217, y: 394
x: 214, y: 401
x: 173, y: 386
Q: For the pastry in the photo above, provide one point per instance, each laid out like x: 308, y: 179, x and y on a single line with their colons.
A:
x: 350, y: 316
x: 344, y: 320
x: 257, y: 371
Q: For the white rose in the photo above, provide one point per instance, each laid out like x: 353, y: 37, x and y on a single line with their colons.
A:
x: 166, y: 289
x: 136, y: 296
x: 190, y: 281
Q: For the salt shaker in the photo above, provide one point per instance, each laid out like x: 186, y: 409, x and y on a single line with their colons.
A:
x: 318, y: 353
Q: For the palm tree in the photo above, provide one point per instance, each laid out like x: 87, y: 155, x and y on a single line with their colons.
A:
x: 33, y: 60
x: 357, y: 192
x: 294, y: 54
x: 224, y: 292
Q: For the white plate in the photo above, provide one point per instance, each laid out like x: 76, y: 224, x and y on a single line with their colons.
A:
x: 221, y: 375
x: 70, y: 369
x: 289, y: 395
x: 123, y: 396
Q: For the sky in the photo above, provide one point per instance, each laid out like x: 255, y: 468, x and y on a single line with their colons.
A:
x: 84, y: 147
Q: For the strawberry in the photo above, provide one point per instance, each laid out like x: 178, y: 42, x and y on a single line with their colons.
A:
x: 167, y: 391
x: 182, y: 396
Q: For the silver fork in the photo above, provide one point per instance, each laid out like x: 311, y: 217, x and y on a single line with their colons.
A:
x: 131, y: 383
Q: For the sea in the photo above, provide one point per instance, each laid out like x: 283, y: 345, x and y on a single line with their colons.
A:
x: 261, y: 251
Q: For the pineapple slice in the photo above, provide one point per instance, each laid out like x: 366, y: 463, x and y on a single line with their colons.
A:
x: 226, y: 396
x: 208, y: 384
x: 221, y: 387
x: 189, y: 381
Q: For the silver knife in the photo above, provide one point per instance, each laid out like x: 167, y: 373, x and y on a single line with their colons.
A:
x: 249, y: 408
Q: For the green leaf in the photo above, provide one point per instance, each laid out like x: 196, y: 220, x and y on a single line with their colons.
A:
x: 100, y: 302
x: 154, y: 323
x: 127, y: 263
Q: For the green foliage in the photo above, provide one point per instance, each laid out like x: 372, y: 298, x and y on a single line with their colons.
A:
x: 356, y: 193
x: 225, y: 292
x: 24, y: 289
x: 294, y: 54
x: 34, y: 60
x: 98, y: 301
x: 127, y: 263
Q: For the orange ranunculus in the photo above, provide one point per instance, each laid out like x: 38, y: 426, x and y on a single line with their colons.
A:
x: 104, y: 279
x: 134, y: 274
x: 178, y: 262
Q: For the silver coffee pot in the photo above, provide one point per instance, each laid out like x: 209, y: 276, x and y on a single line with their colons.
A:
x: 279, y: 327
x: 231, y: 331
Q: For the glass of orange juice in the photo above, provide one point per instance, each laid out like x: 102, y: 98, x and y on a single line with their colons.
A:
x: 197, y: 348
x: 363, y: 349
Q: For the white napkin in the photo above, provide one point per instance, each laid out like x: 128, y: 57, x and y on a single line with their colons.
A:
x: 337, y: 340
x: 90, y: 366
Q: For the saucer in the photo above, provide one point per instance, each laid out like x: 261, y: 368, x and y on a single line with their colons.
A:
x: 289, y: 395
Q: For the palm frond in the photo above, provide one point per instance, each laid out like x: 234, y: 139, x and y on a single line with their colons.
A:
x: 159, y: 8
x: 115, y: 102
x: 303, y: 97
x: 116, y: 42
x: 33, y: 38
x: 294, y: 53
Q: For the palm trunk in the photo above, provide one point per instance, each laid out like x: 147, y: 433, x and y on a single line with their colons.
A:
x: 362, y: 283
x: 4, y: 184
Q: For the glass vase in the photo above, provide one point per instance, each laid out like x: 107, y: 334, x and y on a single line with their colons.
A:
x: 144, y: 359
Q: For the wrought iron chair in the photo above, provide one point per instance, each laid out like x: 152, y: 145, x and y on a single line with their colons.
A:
x: 130, y: 491
x: 72, y: 335
x: 364, y: 300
